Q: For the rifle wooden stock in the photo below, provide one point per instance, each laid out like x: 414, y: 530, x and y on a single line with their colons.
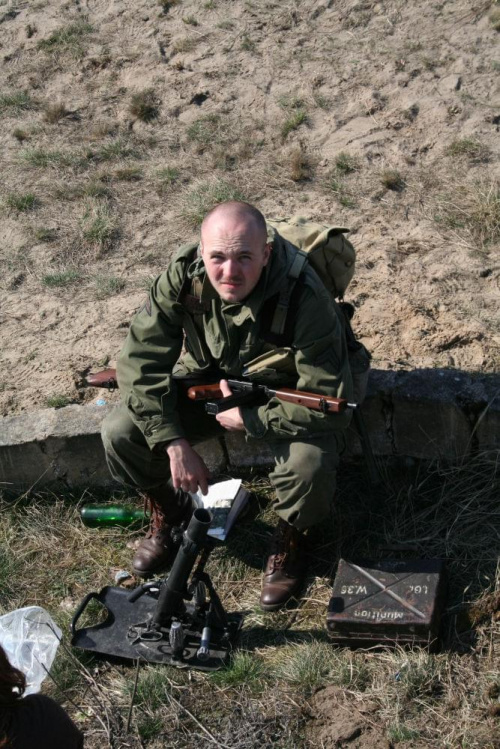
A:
x: 204, y: 392
x: 314, y: 401
x: 105, y: 379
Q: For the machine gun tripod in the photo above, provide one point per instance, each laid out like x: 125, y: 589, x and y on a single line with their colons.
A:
x: 175, y: 620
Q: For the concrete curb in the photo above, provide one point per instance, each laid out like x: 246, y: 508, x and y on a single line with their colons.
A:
x: 423, y: 414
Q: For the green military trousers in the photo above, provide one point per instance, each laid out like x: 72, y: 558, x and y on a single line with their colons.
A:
x: 303, y: 477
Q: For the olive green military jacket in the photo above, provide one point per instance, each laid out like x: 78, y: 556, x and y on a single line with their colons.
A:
x: 231, y: 337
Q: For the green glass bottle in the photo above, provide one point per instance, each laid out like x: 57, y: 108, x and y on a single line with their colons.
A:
x: 104, y: 516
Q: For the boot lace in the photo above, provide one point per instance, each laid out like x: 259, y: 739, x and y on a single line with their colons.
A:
x: 283, y: 546
x: 157, y: 517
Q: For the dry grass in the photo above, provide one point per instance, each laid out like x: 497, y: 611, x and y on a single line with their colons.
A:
x: 391, y: 179
x: 54, y: 112
x: 441, y: 700
x: 144, y: 105
x: 203, y: 195
x: 16, y: 102
x: 301, y: 165
x: 68, y: 40
x: 471, y: 212
x: 98, y: 227
x: 469, y: 147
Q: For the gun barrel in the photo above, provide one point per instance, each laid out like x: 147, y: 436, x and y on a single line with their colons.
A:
x: 173, y: 588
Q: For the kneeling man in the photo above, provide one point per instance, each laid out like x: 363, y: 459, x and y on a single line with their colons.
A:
x: 210, y: 311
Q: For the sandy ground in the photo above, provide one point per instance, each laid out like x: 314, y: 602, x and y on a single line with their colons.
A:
x: 393, y: 115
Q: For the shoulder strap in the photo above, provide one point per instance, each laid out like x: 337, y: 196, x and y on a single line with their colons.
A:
x: 283, y: 304
x: 194, y: 307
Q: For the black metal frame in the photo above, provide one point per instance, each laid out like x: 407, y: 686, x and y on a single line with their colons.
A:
x: 169, y: 621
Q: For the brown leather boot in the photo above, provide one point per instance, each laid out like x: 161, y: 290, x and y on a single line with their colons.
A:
x: 286, y: 567
x: 157, y: 550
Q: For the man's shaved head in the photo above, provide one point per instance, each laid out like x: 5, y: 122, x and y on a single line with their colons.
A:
x: 234, y: 249
x: 236, y: 212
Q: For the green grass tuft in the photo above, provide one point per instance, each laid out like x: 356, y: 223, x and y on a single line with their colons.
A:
x: 165, y: 5
x: 61, y: 279
x: 57, y: 401
x: 470, y: 148
x: 399, y: 732
x: 247, y: 44
x: 16, y: 102
x: 204, y: 130
x: 116, y: 149
x: 346, y: 164
x: 96, y: 189
x: 106, y: 286
x: 149, y: 727
x: 38, y: 157
x: 337, y: 186
x: 246, y: 670
x: 293, y: 122
x: 44, y: 234
x: 167, y: 177
x: 291, y: 101
x: 98, y: 227
x: 22, y: 202
x: 305, y: 665
x: 67, y: 40
x: 204, y: 196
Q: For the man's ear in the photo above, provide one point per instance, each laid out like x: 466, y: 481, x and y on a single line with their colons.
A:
x: 267, y: 252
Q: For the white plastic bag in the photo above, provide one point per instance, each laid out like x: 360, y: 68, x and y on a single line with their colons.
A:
x: 30, y: 638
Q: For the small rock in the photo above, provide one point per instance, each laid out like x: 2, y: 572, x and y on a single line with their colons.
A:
x: 450, y: 83
x: 121, y: 576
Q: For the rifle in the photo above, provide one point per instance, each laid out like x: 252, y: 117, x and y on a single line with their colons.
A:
x: 252, y: 393
x: 244, y: 393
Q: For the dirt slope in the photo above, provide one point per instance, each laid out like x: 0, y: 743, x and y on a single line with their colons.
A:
x: 122, y: 123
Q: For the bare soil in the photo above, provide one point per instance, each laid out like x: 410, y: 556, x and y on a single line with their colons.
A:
x: 380, y: 116
x: 339, y: 722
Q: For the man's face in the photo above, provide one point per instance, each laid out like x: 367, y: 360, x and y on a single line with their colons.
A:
x: 234, y: 258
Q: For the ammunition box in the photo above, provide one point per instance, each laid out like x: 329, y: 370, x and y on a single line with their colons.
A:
x: 387, y: 602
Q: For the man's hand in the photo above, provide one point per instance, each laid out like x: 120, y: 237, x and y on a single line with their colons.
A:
x: 230, y: 419
x: 187, y: 467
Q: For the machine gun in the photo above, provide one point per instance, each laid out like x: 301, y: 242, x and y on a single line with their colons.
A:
x: 176, y: 620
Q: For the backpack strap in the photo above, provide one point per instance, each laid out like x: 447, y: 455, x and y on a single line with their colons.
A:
x: 194, y: 307
x: 281, y: 311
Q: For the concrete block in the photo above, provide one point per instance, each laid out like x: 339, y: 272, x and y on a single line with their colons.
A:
x: 376, y: 413
x: 53, y: 445
x: 420, y: 414
x: 243, y: 453
x: 213, y: 454
x: 64, y: 445
x: 428, y: 419
x: 486, y: 432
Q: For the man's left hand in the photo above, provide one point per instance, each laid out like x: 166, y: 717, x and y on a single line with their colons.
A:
x: 230, y: 419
